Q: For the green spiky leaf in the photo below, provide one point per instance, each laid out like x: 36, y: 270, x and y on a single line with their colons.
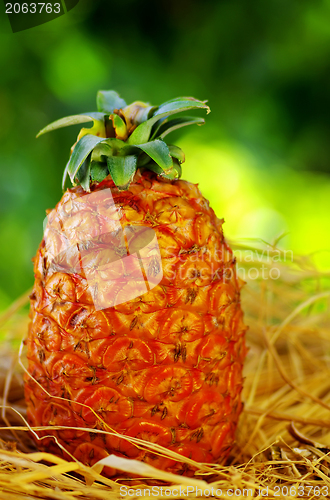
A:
x: 105, y: 148
x: 80, y: 152
x: 109, y: 147
x: 159, y: 152
x: 173, y: 173
x: 72, y: 120
x: 178, y: 105
x: 176, y: 99
x: 177, y: 153
x: 143, y: 160
x: 142, y: 133
x: 144, y: 114
x: 108, y: 100
x: 99, y: 171
x: 122, y: 169
x: 65, y: 174
x: 83, y: 173
x: 177, y: 167
x: 119, y: 126
x: 169, y: 126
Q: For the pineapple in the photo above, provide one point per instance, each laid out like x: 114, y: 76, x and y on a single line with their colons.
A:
x: 136, y: 325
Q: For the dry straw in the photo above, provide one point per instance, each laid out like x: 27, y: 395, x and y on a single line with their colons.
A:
x: 283, y: 440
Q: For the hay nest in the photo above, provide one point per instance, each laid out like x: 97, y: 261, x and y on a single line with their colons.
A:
x: 283, y: 439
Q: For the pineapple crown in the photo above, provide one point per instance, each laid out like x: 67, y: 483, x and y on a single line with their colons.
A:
x: 124, y: 138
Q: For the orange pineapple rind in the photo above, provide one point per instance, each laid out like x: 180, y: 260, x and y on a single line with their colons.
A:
x: 165, y: 366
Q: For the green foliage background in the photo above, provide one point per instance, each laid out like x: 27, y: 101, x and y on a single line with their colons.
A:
x: 262, y: 159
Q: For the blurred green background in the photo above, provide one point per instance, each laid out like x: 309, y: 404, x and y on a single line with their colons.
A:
x: 262, y: 158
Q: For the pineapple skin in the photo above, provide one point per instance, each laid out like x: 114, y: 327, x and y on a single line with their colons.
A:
x: 165, y: 367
